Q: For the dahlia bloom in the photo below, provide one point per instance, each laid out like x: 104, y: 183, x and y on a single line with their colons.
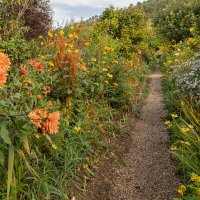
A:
x: 47, y: 122
x: 4, y: 62
x: 51, y: 123
x: 38, y: 65
x: 3, y: 78
x: 4, y: 67
x: 36, y: 117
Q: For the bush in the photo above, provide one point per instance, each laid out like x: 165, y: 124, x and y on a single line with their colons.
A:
x: 176, y: 20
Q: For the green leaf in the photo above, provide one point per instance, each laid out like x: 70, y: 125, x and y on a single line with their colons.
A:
x: 92, y: 88
x: 3, y: 103
x: 17, y: 95
x: 69, y: 91
x: 2, y: 158
x: 11, y: 156
x: 4, y: 134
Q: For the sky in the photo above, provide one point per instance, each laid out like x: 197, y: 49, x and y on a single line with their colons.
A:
x: 64, y: 10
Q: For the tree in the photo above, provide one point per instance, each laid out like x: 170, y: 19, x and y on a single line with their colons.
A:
x: 38, y: 17
x: 174, y: 22
x: 29, y: 17
x: 126, y: 25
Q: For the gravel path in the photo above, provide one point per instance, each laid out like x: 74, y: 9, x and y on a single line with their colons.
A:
x: 147, y: 172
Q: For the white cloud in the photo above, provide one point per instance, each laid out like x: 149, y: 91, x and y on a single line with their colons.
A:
x: 64, y: 10
x: 94, y: 3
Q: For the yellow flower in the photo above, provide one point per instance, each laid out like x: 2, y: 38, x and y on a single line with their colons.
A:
x: 191, y: 39
x: 174, y: 116
x: 115, y: 62
x: 183, y: 142
x: 54, y: 146
x: 75, y: 35
x: 70, y: 36
x: 85, y: 166
x: 71, y: 46
x: 40, y: 36
x: 84, y: 68
x: 69, y: 51
x: 182, y: 103
x: 86, y: 44
x: 103, y: 62
x: 195, y: 178
x: 77, y: 128
x: 106, y: 82
x: 177, y: 54
x: 42, y: 43
x: 190, y: 126
x: 105, y: 69
x: 76, y: 51
x: 109, y: 75
x: 71, y: 27
x: 185, y: 130
x: 191, y: 29
x: 198, y: 191
x: 93, y: 59
x: 61, y: 32
x: 167, y: 122
x: 109, y: 49
x: 182, y: 190
x: 51, y: 64
x: 37, y: 135
x: 172, y: 148
x: 116, y: 85
x: 50, y: 34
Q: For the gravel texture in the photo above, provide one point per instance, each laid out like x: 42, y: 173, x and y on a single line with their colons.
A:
x: 147, y: 171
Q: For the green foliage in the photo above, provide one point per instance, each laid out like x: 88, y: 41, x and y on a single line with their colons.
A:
x: 180, y: 66
x: 126, y: 25
x: 176, y: 20
x: 29, y: 17
x: 18, y: 48
x: 11, y: 17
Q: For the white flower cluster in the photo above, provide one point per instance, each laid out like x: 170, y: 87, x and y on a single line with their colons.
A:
x: 187, y: 79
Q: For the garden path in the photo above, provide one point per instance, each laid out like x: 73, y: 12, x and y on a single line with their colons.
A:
x: 147, y: 173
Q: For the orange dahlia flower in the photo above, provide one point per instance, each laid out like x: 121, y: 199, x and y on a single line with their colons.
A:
x: 38, y: 65
x: 3, y: 78
x: 4, y: 62
x: 36, y: 117
x: 47, y: 122
x: 52, y: 122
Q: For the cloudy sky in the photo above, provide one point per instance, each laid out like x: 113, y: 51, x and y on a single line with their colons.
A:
x: 77, y: 9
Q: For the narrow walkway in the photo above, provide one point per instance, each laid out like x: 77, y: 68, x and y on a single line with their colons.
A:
x: 148, y: 173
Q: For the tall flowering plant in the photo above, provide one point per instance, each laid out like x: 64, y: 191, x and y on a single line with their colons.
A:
x: 26, y: 112
x: 63, y: 60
